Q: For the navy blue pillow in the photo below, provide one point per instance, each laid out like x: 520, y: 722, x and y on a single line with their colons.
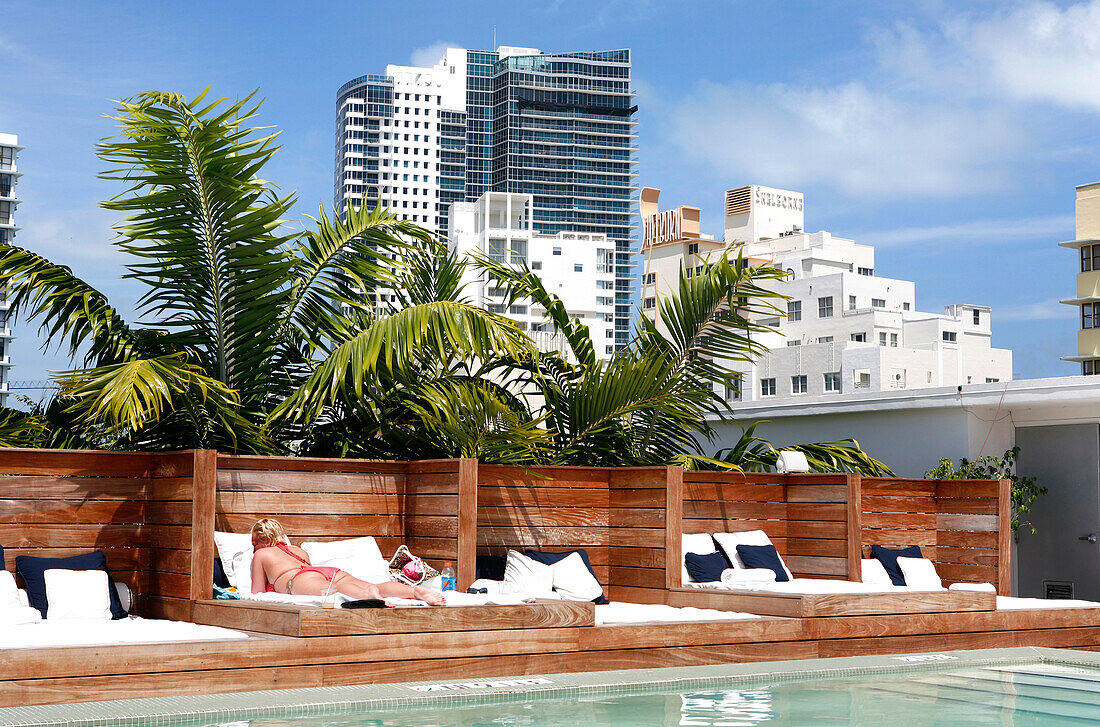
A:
x: 549, y: 558
x: 490, y: 567
x: 889, y: 559
x: 33, y: 572
x: 220, y: 578
x: 705, y: 567
x: 763, y: 556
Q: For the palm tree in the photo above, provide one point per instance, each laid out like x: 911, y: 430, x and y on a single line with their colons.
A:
x: 238, y: 310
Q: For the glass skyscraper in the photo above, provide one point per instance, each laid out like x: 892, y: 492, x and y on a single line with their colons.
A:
x: 559, y: 127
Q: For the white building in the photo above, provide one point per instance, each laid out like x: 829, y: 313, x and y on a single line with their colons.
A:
x: 845, y: 328
x: 578, y: 267
x: 9, y: 176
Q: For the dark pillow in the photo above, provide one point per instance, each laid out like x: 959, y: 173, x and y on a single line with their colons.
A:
x: 491, y: 567
x: 549, y: 558
x: 220, y: 578
x: 763, y: 556
x: 33, y: 572
x: 705, y: 567
x: 889, y: 559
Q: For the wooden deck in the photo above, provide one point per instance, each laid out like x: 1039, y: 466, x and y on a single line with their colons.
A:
x: 46, y: 676
x: 154, y: 515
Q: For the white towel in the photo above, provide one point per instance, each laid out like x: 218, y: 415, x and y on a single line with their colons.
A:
x: 19, y: 615
x: 737, y: 576
x: 979, y: 587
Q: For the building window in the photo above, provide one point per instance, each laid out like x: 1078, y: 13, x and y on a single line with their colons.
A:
x: 649, y: 303
x: 825, y: 307
x: 733, y: 389
x: 767, y: 387
x: 825, y: 339
x: 607, y: 349
x: 1090, y: 367
x: 557, y: 251
x: 518, y: 310
x: 1090, y: 258
x: 878, y: 302
x: 578, y: 268
x: 893, y: 340
x: 905, y: 306
x: 882, y: 338
x: 693, y: 248
x: 536, y: 265
x: 832, y: 381
x: 791, y: 344
x: 851, y: 302
x: 866, y: 271
x: 798, y: 384
x: 977, y: 317
x: 859, y: 337
x: 1090, y: 314
x: 950, y: 336
x: 794, y: 310
x: 988, y: 380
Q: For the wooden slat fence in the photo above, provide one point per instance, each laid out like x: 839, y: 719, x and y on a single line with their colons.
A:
x: 135, y: 507
x: 961, y: 525
x: 805, y: 516
x: 617, y: 515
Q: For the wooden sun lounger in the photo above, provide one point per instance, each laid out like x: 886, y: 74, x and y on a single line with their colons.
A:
x: 297, y: 620
x: 813, y: 605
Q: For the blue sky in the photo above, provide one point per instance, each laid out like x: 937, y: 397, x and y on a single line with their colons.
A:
x: 949, y: 135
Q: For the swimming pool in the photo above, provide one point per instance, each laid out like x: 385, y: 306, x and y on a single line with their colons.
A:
x: 1027, y: 686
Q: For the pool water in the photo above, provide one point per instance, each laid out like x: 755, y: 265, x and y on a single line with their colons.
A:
x: 1031, y: 695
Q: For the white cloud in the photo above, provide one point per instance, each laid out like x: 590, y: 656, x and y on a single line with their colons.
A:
x: 1052, y: 228
x: 1043, y: 310
x: 428, y: 56
x: 868, y: 143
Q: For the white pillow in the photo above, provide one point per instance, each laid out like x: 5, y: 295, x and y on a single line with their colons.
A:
x: 573, y: 581
x: 9, y: 592
x: 698, y: 543
x: 874, y: 574
x: 728, y: 542
x: 358, y: 556
x: 920, y: 573
x: 77, y: 594
x: 230, y: 546
x: 528, y: 576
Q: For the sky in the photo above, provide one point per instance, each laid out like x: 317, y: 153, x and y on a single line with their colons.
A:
x: 950, y: 135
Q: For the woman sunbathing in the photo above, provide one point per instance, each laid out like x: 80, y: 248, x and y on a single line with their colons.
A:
x: 278, y: 567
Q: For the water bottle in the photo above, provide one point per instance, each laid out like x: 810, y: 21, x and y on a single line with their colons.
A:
x: 448, y: 575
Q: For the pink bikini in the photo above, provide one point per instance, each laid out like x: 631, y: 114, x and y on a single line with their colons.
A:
x: 327, y: 571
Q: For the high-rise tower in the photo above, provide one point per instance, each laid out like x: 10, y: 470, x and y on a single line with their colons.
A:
x: 559, y: 127
x: 9, y: 175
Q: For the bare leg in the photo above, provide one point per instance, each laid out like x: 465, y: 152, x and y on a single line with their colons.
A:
x: 356, y: 588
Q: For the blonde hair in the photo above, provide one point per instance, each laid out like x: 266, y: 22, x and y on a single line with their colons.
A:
x: 269, y: 531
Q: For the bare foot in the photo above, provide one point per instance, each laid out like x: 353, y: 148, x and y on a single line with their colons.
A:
x: 430, y: 597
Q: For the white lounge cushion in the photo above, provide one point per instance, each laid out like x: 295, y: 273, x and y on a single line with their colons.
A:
x: 873, y: 572
x: 573, y: 581
x: 358, y: 556
x: 977, y: 587
x: 728, y: 542
x: 77, y: 594
x: 235, y: 550
x: 526, y: 575
x: 9, y: 591
x: 920, y: 573
x: 14, y: 607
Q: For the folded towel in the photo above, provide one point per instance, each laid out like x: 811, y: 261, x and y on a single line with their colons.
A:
x: 456, y: 598
x: 736, y: 576
x: 19, y: 615
x: 979, y: 587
